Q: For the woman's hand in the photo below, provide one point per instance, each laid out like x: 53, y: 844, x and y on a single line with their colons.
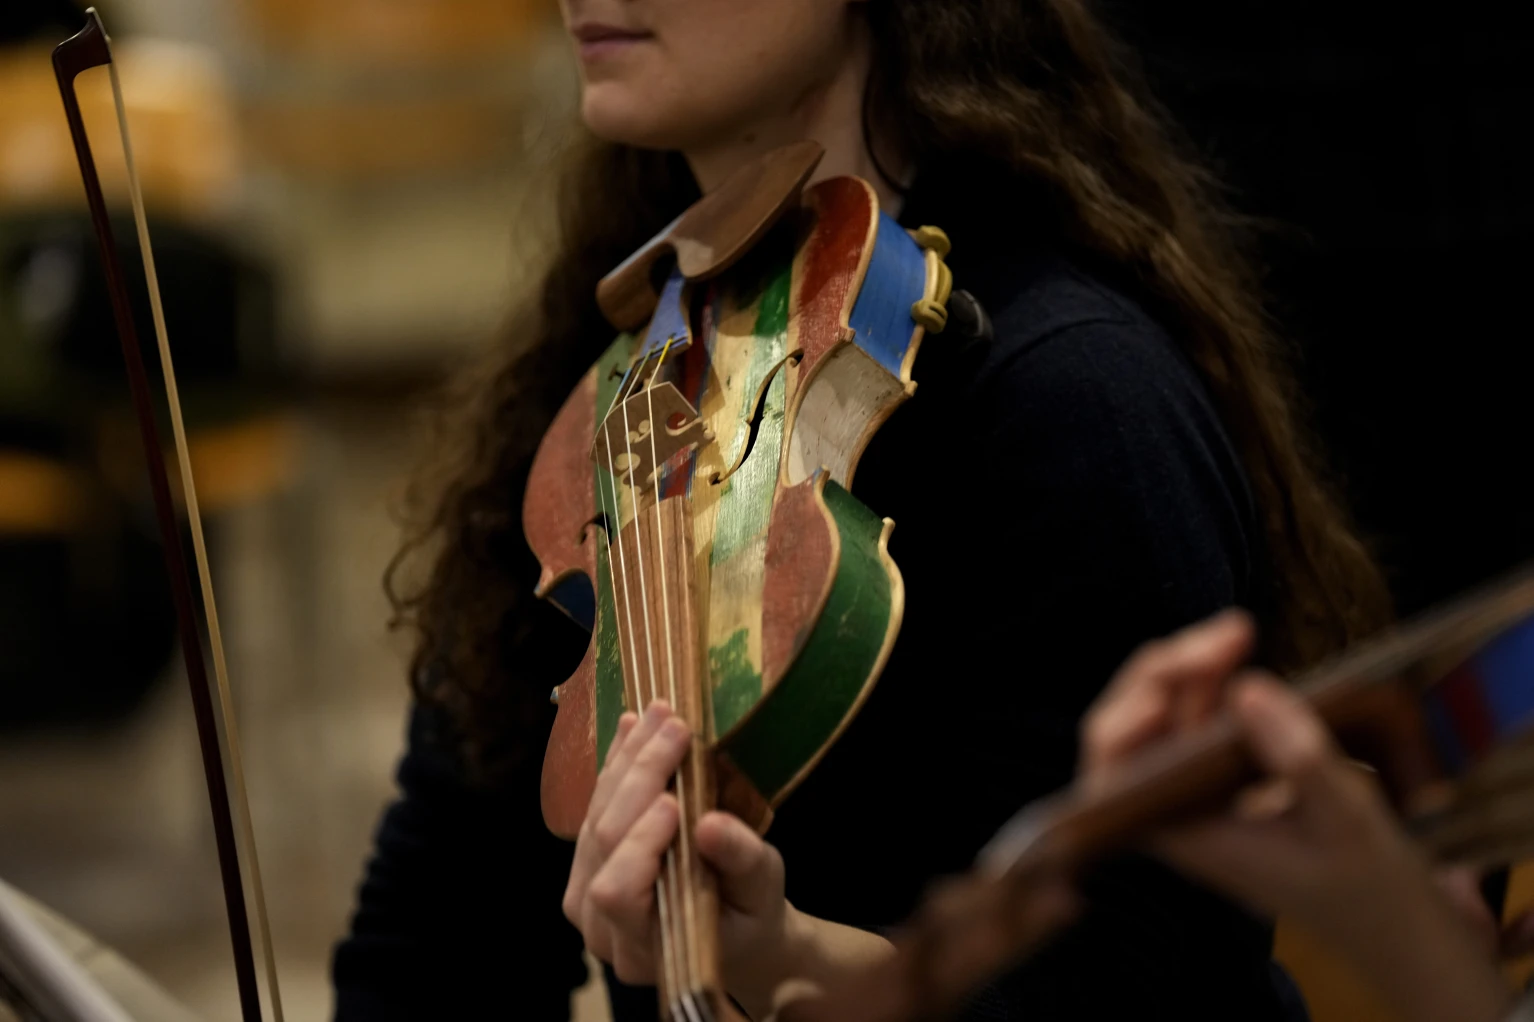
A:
x: 620, y: 852
x: 1317, y: 843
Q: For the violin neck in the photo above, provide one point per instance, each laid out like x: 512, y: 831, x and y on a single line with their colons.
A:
x: 1426, y: 702
x: 662, y: 652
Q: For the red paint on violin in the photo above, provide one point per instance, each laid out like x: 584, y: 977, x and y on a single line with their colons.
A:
x: 801, y: 565
x: 560, y: 500
x: 832, y: 262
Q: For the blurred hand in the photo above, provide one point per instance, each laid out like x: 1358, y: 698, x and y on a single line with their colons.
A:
x: 1166, y: 687
x: 621, y: 849
x: 1316, y: 843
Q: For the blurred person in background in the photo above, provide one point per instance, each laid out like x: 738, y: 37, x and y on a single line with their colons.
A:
x: 1131, y: 418
x: 1316, y: 843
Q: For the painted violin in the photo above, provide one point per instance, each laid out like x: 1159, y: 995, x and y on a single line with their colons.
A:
x: 689, y: 505
x: 1443, y: 707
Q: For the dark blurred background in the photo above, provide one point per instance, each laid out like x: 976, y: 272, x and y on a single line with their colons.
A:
x: 339, y: 196
x: 1389, y: 152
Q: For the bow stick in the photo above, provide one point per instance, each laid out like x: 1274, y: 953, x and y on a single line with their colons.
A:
x: 88, y: 48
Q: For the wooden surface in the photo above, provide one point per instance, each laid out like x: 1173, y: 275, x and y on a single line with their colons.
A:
x: 663, y: 661
x: 713, y: 553
x: 803, y: 548
x: 840, y: 659
x: 844, y: 392
x: 561, y: 498
x: 713, y: 234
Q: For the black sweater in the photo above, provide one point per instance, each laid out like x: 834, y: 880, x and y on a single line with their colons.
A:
x: 1062, y: 493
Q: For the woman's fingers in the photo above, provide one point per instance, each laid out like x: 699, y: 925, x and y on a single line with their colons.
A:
x: 633, y: 733
x: 622, y: 894
x: 649, y: 772
x: 622, y: 754
x: 626, y: 725
x: 1288, y: 738
x: 1212, y: 658
x: 1166, y: 684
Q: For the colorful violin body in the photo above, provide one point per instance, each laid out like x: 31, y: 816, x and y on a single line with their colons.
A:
x: 690, y: 504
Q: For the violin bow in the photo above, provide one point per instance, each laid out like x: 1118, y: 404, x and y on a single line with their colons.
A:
x: 89, y: 48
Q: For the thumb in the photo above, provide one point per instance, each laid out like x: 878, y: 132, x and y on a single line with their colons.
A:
x: 750, y: 870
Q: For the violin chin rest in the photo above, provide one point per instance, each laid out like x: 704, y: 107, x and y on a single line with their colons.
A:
x: 713, y: 234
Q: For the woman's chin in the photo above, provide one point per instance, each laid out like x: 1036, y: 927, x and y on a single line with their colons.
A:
x: 613, y: 113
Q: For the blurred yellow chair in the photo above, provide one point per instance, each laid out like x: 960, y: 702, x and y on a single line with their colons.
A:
x: 1335, y: 993
x: 179, y: 111
x: 233, y: 463
x: 39, y: 495
x: 396, y: 32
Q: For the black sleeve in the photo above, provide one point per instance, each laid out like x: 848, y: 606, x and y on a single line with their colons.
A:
x: 458, y: 915
x: 1130, y: 518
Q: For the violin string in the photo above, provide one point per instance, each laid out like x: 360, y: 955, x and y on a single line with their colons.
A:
x: 644, y: 600
x: 689, y: 918
x: 235, y: 761
x: 668, y: 962
x: 615, y: 534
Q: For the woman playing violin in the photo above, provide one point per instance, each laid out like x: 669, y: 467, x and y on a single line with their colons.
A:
x: 1116, y: 458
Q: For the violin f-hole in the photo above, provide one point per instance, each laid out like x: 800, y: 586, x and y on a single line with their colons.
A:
x: 754, y: 424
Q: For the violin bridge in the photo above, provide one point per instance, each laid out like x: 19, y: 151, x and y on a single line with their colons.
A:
x: 645, y: 432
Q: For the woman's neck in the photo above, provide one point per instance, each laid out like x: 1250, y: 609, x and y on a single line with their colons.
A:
x: 831, y: 113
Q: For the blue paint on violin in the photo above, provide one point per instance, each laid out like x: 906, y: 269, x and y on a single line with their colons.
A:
x: 669, y: 323
x: 575, y: 596
x: 896, y: 280
x: 1507, y: 673
x: 1486, y: 700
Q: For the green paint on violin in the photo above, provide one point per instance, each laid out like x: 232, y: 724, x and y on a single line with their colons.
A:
x: 609, y: 659
x: 737, y: 560
x: 820, y: 690
x: 746, y: 506
x: 737, y: 682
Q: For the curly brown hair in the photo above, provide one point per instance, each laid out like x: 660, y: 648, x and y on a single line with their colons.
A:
x: 1034, y: 90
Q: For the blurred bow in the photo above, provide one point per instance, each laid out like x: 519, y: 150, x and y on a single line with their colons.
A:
x: 216, y: 732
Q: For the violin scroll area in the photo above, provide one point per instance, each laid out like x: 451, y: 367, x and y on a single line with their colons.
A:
x: 645, y: 432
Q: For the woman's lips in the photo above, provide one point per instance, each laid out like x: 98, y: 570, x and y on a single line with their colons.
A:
x: 596, y: 42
